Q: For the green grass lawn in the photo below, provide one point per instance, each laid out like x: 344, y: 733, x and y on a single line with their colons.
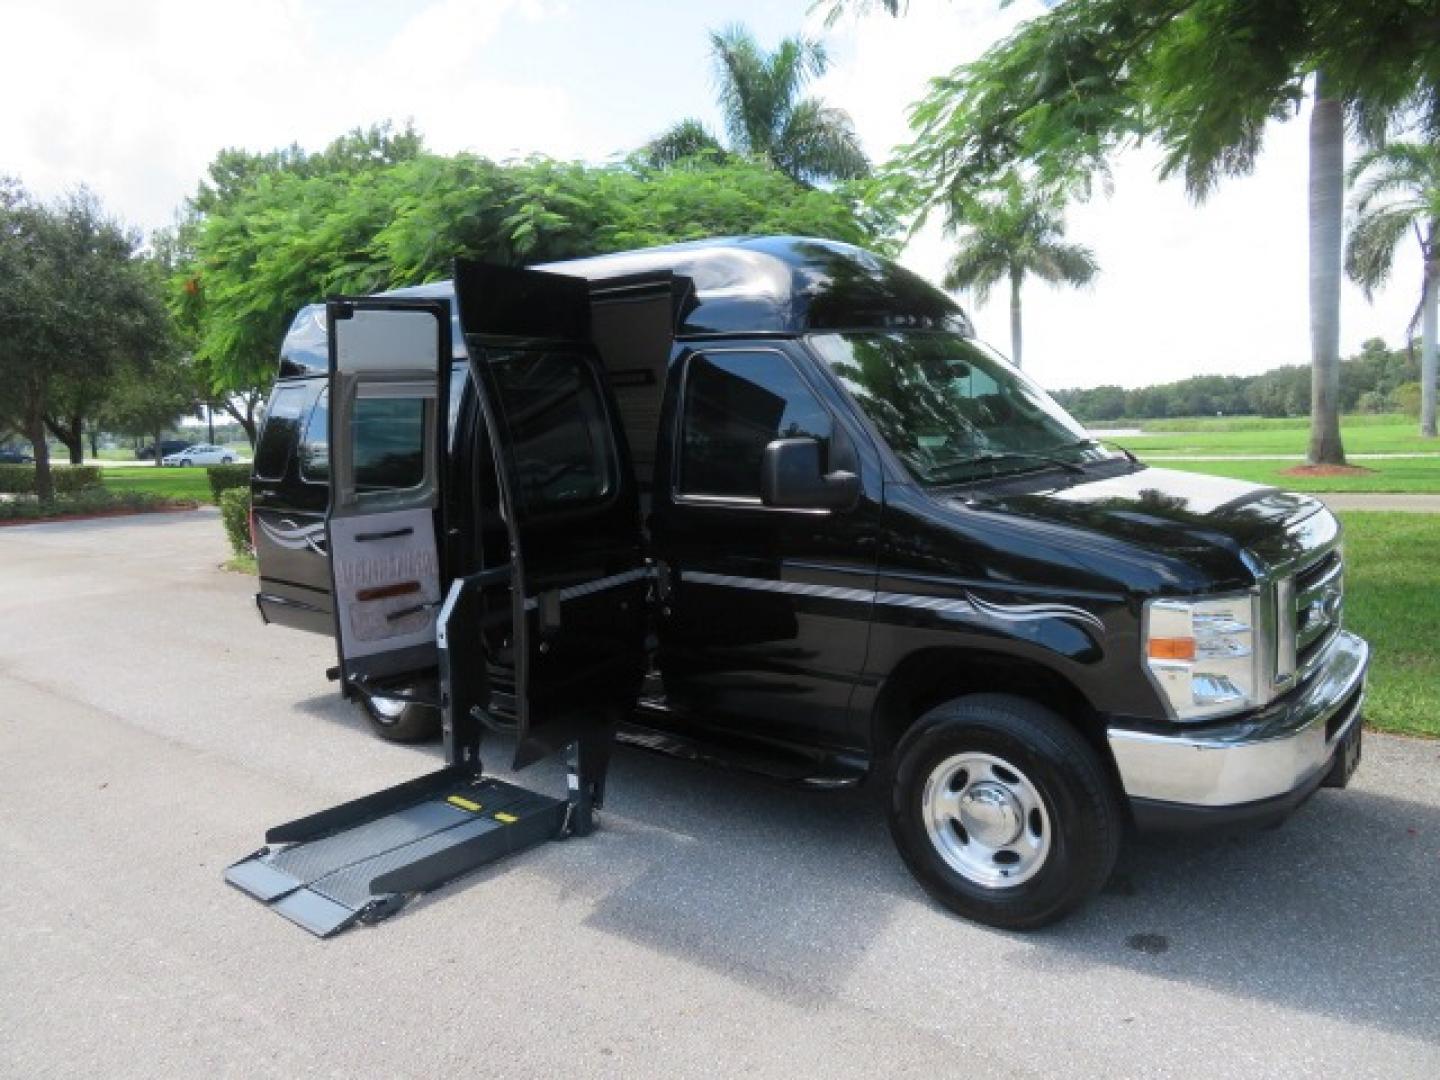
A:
x: 1248, y: 435
x: 1254, y: 435
x: 1392, y: 598
x: 1406, y: 475
x: 182, y: 483
x: 1256, y: 423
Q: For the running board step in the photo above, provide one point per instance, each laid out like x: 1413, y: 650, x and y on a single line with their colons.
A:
x: 773, y: 762
x: 362, y: 860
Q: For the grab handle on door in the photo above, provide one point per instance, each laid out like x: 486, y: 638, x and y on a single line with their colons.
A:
x: 361, y: 538
x: 415, y: 610
x: 384, y: 592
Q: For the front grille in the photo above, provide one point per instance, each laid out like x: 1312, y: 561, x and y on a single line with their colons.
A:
x: 1319, y: 598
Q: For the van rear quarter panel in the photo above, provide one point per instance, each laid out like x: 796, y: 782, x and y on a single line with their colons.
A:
x: 290, y: 546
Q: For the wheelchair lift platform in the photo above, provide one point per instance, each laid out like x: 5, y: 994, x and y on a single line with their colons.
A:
x: 362, y: 860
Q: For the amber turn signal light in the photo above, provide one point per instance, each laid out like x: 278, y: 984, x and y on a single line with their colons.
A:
x: 1172, y: 648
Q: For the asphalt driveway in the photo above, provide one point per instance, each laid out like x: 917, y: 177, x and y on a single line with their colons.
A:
x: 151, y: 728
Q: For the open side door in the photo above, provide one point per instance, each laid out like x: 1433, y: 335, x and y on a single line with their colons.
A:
x: 389, y: 386
x: 571, y: 591
x: 578, y: 581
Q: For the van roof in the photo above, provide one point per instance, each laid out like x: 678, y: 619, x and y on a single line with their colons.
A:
x: 742, y: 285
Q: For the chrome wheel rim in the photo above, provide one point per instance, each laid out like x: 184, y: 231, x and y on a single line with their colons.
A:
x: 986, y: 819
x: 387, y: 710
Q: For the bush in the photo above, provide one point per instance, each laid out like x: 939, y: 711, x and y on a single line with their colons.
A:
x: 225, y: 477
x: 1407, y: 398
x: 90, y: 501
x: 68, y: 479
x: 1374, y: 401
x: 235, y: 513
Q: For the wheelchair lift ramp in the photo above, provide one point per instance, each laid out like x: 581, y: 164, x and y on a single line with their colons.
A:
x: 362, y: 860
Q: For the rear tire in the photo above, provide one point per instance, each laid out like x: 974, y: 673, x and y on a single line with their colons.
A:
x: 401, y: 721
x: 1003, y: 812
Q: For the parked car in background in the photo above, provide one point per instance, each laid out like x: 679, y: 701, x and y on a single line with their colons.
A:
x: 200, y: 454
x: 167, y: 447
x: 15, y: 457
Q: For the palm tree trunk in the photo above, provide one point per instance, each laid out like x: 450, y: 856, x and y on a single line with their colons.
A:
x: 1327, y: 193
x: 1428, y: 330
x: 1015, y: 279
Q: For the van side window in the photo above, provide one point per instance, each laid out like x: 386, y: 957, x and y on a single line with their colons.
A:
x: 315, y: 443
x: 388, y: 443
x: 558, y: 428
x: 282, y: 422
x: 736, y: 403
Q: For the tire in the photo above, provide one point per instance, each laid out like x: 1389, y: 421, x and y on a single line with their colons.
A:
x: 227, y: 461
x: 992, y: 789
x: 399, y: 721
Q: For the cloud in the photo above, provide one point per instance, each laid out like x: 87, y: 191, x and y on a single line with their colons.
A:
x: 135, y: 100
x: 1183, y: 290
x: 147, y: 93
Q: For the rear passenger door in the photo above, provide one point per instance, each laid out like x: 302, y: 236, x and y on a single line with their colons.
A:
x: 387, y: 404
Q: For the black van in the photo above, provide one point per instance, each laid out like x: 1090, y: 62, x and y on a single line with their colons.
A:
x: 768, y: 501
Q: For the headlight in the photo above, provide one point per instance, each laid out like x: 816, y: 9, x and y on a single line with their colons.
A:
x: 1204, y: 655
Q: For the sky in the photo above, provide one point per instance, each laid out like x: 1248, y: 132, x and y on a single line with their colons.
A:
x: 146, y: 92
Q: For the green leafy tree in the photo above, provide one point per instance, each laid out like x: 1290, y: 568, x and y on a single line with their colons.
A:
x: 1201, y: 79
x: 291, y: 234
x: 1009, y: 237
x: 1398, y: 193
x: 765, y: 115
x: 77, y: 303
x: 1369, y: 382
x: 149, y: 400
x: 238, y: 212
x: 1407, y: 398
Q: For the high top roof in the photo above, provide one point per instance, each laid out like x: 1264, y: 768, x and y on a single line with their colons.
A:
x: 742, y: 284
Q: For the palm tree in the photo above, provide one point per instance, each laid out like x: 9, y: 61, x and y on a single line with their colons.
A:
x: 1398, y: 192
x: 1011, y: 237
x: 765, y: 117
x: 1326, y: 215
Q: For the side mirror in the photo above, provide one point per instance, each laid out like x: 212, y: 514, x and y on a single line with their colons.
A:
x: 790, y: 477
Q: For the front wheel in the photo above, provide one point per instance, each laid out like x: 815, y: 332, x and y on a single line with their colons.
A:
x: 1003, y: 812
x: 227, y: 461
x: 401, y: 721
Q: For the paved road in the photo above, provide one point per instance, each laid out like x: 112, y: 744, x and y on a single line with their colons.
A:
x: 152, y: 729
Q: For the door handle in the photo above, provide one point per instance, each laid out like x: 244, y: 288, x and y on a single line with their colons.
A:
x: 384, y: 592
x: 362, y: 538
x: 413, y: 610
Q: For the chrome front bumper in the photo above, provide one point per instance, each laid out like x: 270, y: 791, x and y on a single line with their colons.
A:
x: 1278, y: 751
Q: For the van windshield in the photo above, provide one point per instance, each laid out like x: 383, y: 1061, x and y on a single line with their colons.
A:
x: 951, y: 408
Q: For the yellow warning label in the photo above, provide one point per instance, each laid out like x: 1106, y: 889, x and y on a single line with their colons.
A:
x: 464, y: 804
x: 508, y: 819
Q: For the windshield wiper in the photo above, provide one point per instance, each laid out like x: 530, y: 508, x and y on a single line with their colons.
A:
x: 1017, y: 455
x: 1091, y: 440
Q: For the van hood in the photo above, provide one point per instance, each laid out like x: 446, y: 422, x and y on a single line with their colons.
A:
x: 1175, y: 513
